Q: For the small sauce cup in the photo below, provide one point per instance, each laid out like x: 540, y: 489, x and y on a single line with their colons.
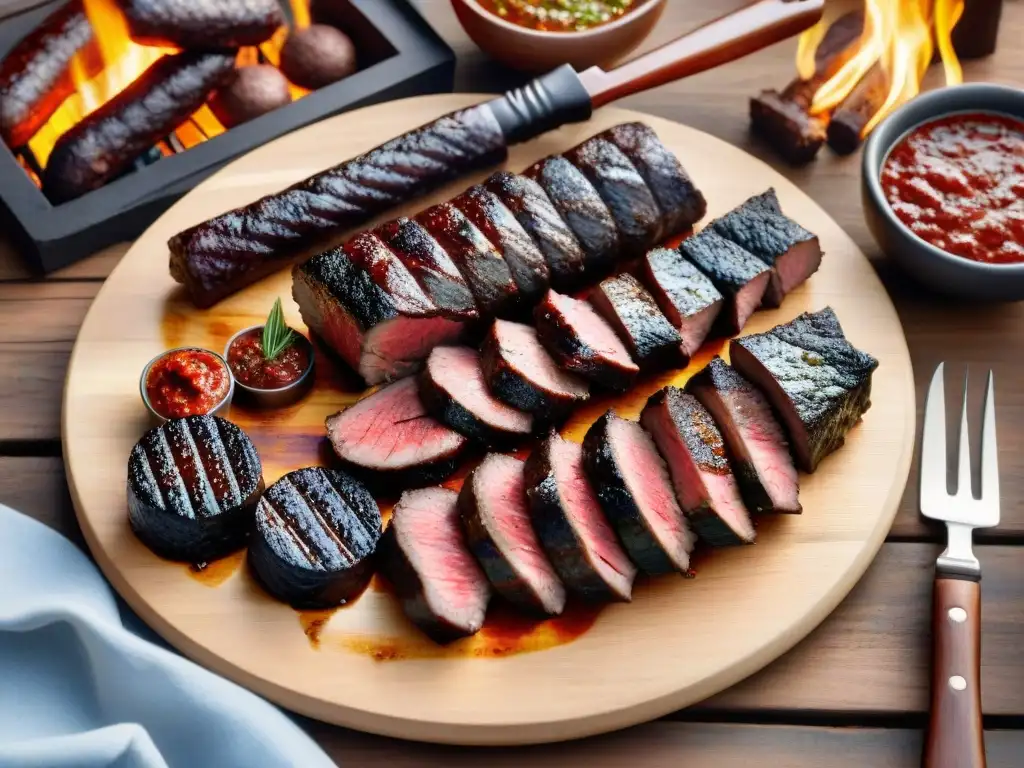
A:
x: 278, y: 397
x: 217, y: 410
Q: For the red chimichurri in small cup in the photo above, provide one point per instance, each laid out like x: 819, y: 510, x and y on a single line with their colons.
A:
x: 189, y: 381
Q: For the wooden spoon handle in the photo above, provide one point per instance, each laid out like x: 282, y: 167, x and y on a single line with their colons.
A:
x: 728, y: 38
x: 955, y: 737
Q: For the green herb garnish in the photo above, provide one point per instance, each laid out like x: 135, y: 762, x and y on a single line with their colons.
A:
x: 276, y: 335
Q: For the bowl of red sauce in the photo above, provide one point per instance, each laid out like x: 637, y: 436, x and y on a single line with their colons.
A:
x: 187, y: 381
x: 943, y: 190
x: 272, y: 383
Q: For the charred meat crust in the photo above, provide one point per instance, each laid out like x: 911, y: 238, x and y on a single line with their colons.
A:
x: 651, y: 339
x: 684, y: 294
x: 191, y: 24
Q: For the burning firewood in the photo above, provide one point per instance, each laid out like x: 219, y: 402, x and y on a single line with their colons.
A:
x: 846, y: 127
x: 192, y: 24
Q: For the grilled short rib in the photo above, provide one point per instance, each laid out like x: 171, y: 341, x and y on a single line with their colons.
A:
x: 423, y: 554
x: 581, y: 342
x: 636, y: 493
x: 759, y: 226
x: 571, y: 526
x: 755, y: 441
x: 389, y: 439
x: 692, y: 447
x: 737, y: 274
x: 685, y: 295
x: 817, y: 381
x: 496, y: 520
x: 651, y: 339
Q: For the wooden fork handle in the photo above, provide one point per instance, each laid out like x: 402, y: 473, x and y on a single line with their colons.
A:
x: 955, y: 738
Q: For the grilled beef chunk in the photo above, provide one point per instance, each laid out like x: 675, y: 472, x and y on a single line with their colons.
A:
x: 453, y: 389
x: 817, y: 381
x: 503, y: 230
x: 486, y: 272
x: 692, y: 447
x: 540, y: 219
x: 740, y: 276
x: 571, y: 527
x: 520, y: 372
x: 365, y: 305
x: 755, y: 441
x: 316, y: 532
x: 390, y: 438
x: 188, y: 24
x: 193, y: 486
x: 682, y: 204
x: 633, y: 313
x: 496, y: 521
x: 635, y: 490
x: 581, y: 342
x: 583, y: 210
x: 688, y: 298
x: 423, y: 554
x: 631, y: 203
x: 759, y: 226
x: 431, y: 266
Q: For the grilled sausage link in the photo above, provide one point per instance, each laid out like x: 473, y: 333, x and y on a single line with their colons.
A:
x: 191, y: 24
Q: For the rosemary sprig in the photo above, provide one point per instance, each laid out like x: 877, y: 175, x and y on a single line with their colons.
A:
x: 276, y: 335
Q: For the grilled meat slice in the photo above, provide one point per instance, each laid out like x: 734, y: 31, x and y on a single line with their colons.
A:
x: 739, y: 276
x: 636, y: 493
x: 688, y: 298
x: 389, y: 438
x: 581, y: 342
x: 682, y: 204
x: 496, y: 521
x: 423, y: 553
x: 692, y: 447
x: 571, y: 526
x: 506, y: 234
x: 650, y: 338
x: 453, y: 389
x: 631, y: 203
x: 759, y: 226
x: 188, y: 24
x: 193, y: 486
x: 431, y: 266
x: 754, y: 439
x: 365, y: 305
x: 520, y: 372
x: 817, y: 381
x: 316, y: 532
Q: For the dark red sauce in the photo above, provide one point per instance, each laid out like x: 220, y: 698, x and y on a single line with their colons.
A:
x: 958, y: 183
x: 250, y: 368
x: 559, y: 15
x: 187, y: 382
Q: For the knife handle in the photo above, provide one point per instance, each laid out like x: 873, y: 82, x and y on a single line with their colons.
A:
x: 955, y: 737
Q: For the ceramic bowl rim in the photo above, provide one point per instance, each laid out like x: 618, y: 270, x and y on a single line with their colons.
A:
x: 631, y: 17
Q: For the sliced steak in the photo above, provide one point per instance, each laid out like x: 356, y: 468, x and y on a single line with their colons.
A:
x: 381, y: 333
x: 688, y: 298
x: 682, y: 204
x: 819, y: 383
x: 630, y: 201
x: 692, y: 447
x: 389, y: 436
x: 423, y: 554
x: 571, y: 526
x: 453, y: 389
x: 540, y: 219
x: 650, y: 338
x: 496, y: 521
x: 431, y: 266
x: 636, y: 493
x: 581, y: 342
x: 738, y: 275
x: 754, y: 439
x: 759, y: 226
x: 520, y: 372
x: 503, y: 230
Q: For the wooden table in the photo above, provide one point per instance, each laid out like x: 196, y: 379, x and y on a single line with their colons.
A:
x: 854, y: 693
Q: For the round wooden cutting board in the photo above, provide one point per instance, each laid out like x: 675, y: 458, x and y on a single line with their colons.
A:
x: 679, y: 641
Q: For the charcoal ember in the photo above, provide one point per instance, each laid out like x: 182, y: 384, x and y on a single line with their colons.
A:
x: 317, y: 56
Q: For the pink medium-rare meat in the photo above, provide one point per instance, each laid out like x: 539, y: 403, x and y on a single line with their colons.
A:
x: 499, y: 532
x: 390, y: 438
x: 571, y: 526
x: 753, y: 438
x: 690, y: 443
x: 651, y: 339
x: 688, y: 298
x: 423, y: 554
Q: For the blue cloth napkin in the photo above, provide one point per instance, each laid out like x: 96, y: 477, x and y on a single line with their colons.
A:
x: 79, y: 690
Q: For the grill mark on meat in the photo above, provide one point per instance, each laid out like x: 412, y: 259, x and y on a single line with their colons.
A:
x: 651, y: 339
x: 191, y: 24
x: 343, y: 551
x: 288, y: 527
